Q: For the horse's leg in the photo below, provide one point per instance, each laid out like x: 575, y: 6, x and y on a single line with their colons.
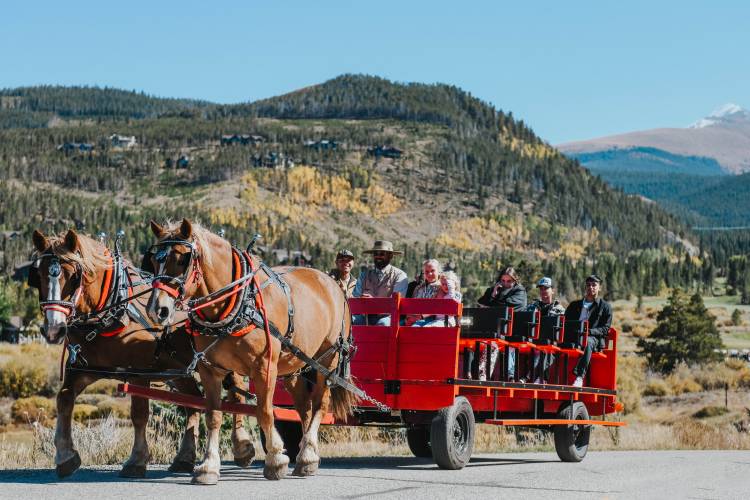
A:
x: 242, y: 444
x: 67, y: 459
x: 184, y: 461
x: 308, y: 459
x: 135, y: 466
x: 208, y: 471
x: 276, y: 462
x: 298, y: 388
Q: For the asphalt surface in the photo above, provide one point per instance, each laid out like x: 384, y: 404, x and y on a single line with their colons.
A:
x: 666, y: 474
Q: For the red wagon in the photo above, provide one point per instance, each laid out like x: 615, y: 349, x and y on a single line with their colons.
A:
x: 433, y: 387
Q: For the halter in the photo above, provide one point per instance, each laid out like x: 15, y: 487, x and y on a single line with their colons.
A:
x: 176, y: 286
x: 54, y: 271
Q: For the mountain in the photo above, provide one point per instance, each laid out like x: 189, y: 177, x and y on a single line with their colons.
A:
x: 339, y: 164
x: 724, y: 136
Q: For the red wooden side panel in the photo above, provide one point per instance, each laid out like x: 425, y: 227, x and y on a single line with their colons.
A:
x: 429, y: 355
x: 429, y: 306
x: 370, y: 361
x: 604, y: 368
x: 374, y: 305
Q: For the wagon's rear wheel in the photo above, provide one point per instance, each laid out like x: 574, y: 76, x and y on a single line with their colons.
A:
x: 418, y: 438
x: 572, y: 441
x: 291, y: 434
x: 452, y: 435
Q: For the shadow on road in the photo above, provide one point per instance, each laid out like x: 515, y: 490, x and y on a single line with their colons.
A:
x: 230, y: 472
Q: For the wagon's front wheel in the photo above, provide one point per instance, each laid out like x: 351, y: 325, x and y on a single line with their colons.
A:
x: 572, y: 441
x: 418, y: 439
x: 452, y: 435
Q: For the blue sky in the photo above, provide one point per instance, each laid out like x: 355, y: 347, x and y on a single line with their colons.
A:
x: 571, y: 70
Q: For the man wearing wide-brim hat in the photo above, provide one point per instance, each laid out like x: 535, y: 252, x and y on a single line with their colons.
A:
x: 382, y: 280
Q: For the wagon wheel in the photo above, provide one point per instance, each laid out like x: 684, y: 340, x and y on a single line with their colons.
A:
x: 452, y: 435
x: 291, y: 434
x: 572, y: 441
x: 418, y: 439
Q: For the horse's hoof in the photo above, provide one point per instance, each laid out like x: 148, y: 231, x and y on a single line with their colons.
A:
x: 133, y: 471
x: 206, y: 478
x: 182, y: 466
x: 69, y: 466
x: 303, y: 470
x: 244, y: 462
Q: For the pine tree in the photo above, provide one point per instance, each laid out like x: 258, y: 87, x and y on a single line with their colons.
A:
x: 685, y: 332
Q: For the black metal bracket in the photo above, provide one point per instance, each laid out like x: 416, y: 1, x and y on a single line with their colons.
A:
x: 392, y: 387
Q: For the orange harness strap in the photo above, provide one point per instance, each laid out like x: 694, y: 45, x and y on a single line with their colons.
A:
x: 105, y: 284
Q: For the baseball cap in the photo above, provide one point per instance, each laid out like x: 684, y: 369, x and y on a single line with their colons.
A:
x: 594, y: 278
x: 346, y: 254
x: 544, y: 282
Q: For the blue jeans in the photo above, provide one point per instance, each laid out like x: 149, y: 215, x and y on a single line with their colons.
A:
x: 372, y: 319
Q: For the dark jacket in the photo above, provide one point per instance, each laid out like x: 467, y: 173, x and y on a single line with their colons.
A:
x: 600, y: 317
x: 552, y: 309
x: 514, y: 297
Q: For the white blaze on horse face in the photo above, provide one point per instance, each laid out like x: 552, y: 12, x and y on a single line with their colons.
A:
x: 54, y: 319
x: 161, y: 305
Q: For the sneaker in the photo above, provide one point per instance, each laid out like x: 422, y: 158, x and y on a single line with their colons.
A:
x: 539, y: 380
x: 522, y: 380
x: 578, y: 382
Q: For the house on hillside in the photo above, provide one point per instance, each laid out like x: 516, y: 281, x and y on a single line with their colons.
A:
x: 284, y: 257
x: 243, y: 139
x: 75, y: 147
x: 122, y: 141
x: 385, y: 152
x: 322, y: 145
x: 271, y: 160
x: 10, y: 330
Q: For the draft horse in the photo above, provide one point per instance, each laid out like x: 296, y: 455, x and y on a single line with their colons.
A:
x: 233, y: 300
x: 89, y: 298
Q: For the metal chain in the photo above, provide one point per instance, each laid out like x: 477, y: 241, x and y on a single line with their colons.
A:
x: 382, y: 407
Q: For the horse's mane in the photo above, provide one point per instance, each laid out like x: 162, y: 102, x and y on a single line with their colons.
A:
x: 90, y: 255
x: 205, y: 238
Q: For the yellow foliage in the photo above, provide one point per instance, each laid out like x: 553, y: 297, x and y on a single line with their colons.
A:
x: 300, y: 194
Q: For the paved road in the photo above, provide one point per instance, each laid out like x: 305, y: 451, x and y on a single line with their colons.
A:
x: 669, y: 474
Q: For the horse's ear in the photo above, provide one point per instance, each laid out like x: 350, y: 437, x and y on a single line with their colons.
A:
x: 41, y: 243
x: 186, y: 229
x: 71, y: 241
x: 158, y: 230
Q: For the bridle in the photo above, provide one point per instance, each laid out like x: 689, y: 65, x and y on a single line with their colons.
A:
x: 54, y: 271
x: 176, y: 286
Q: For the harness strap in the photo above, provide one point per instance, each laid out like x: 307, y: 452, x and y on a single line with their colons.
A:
x: 106, y: 284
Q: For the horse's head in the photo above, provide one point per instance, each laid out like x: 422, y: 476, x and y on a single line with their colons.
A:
x: 175, y: 262
x: 62, y: 270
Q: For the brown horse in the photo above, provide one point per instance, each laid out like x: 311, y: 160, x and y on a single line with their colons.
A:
x: 74, y: 276
x: 192, y: 262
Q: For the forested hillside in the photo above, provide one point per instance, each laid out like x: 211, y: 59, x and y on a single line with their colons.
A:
x: 340, y: 164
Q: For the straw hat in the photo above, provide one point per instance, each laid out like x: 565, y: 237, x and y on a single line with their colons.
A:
x: 383, y: 246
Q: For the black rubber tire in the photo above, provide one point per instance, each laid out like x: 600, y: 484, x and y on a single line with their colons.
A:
x: 452, y: 435
x: 572, y: 441
x: 291, y: 434
x: 418, y: 439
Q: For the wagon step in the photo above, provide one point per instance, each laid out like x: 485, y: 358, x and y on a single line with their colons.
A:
x: 553, y: 421
x: 199, y: 403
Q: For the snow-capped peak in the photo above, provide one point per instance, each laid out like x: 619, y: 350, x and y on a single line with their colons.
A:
x: 726, y: 110
x: 721, y: 114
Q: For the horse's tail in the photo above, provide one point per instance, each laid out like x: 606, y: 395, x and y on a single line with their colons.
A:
x: 343, y: 401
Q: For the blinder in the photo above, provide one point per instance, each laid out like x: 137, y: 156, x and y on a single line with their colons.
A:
x: 33, y: 278
x: 159, y: 252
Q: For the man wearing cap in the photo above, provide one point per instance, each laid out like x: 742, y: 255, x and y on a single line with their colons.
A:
x: 599, y: 315
x: 382, y: 280
x: 343, y: 272
x: 546, y: 302
x: 547, y: 306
